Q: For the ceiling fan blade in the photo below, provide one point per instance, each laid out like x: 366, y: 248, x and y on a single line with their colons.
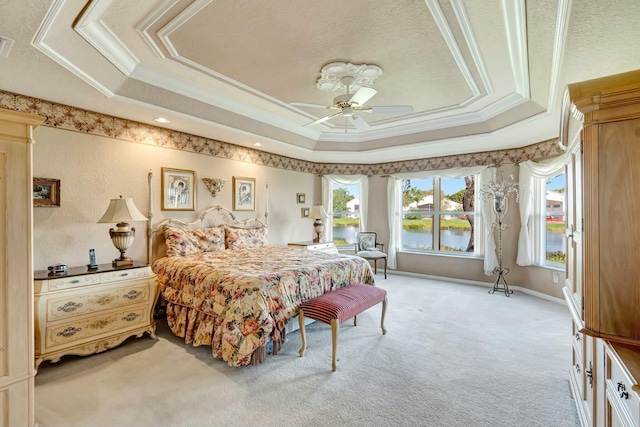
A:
x: 324, y: 119
x: 359, y: 123
x: 389, y: 109
x: 363, y: 95
x: 305, y: 104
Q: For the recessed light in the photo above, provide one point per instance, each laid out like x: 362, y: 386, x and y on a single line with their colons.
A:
x: 257, y: 144
x: 161, y: 120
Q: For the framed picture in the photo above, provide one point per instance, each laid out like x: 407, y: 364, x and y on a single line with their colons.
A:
x: 300, y: 197
x: 178, y: 190
x: 46, y: 192
x: 244, y: 194
x: 304, y: 212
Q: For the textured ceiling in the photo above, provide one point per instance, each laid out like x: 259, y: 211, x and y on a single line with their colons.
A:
x: 480, y: 74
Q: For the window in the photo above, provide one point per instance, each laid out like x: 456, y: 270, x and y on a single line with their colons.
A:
x: 438, y: 214
x: 346, y: 213
x: 553, y: 235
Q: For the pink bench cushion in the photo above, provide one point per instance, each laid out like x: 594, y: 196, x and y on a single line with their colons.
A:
x: 343, y: 303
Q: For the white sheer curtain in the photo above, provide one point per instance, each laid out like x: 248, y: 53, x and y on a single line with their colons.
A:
x: 531, y: 174
x: 394, y: 200
x: 488, y: 218
x: 394, y: 203
x: 327, y: 199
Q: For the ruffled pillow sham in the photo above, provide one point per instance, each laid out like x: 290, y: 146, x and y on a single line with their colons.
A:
x: 188, y: 241
x: 245, y: 238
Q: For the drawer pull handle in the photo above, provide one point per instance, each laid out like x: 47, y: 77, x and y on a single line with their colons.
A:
x: 621, y: 390
x: 589, y: 373
x: 69, y: 332
x: 131, y: 317
x: 132, y: 294
x: 124, y: 274
x: 577, y: 337
x: 74, y: 282
x: 70, y: 306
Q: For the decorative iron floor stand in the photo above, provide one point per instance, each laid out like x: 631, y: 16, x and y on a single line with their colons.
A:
x: 501, y: 282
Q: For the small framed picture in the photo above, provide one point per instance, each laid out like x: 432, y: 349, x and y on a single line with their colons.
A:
x: 46, y: 192
x: 304, y: 212
x: 178, y: 190
x: 244, y: 194
x: 301, y: 198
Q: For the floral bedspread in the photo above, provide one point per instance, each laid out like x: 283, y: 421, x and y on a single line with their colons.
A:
x: 234, y: 300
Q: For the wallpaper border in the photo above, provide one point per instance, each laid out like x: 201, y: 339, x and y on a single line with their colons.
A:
x: 75, y: 119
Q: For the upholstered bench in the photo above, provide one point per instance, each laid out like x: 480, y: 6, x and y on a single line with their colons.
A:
x: 339, y: 305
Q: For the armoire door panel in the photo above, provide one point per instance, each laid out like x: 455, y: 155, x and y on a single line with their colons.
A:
x: 619, y: 205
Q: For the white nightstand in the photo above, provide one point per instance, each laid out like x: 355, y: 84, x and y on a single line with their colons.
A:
x: 315, y: 246
x: 88, y: 311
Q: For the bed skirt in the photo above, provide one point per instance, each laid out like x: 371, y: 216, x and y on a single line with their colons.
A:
x: 198, y: 329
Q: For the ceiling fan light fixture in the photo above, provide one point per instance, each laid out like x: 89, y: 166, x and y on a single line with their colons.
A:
x: 350, y: 78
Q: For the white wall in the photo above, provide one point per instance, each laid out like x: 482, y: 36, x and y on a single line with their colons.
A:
x: 95, y: 169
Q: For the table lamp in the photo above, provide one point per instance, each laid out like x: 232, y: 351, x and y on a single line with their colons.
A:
x: 317, y: 214
x: 121, y: 211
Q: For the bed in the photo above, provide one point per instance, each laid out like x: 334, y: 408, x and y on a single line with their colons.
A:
x: 224, y: 286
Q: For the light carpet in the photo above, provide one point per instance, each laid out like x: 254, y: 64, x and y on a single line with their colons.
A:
x: 453, y: 355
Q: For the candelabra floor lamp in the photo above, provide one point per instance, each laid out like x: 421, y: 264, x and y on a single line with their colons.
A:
x: 501, y: 281
x: 499, y: 190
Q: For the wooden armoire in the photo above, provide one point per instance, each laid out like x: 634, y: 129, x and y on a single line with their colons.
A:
x: 601, y: 128
x: 16, y: 269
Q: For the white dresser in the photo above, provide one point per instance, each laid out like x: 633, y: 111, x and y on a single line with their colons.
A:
x: 86, y: 311
x: 315, y: 246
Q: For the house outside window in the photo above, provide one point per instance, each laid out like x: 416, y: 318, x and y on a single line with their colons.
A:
x: 438, y: 215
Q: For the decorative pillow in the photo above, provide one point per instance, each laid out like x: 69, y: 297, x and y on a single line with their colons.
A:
x: 187, y: 241
x: 245, y: 238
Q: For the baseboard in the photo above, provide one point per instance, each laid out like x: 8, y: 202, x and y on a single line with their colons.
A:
x: 478, y: 283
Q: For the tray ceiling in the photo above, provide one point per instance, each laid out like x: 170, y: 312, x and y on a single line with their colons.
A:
x: 480, y: 74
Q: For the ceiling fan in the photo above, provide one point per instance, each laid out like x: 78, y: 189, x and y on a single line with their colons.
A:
x: 351, y: 105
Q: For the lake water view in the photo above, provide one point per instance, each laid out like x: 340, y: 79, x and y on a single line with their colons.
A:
x: 459, y: 239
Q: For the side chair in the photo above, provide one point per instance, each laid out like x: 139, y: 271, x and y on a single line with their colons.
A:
x: 367, y: 247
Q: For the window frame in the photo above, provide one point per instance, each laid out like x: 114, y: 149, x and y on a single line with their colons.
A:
x: 328, y: 182
x: 539, y: 230
x: 332, y: 187
x: 436, y: 214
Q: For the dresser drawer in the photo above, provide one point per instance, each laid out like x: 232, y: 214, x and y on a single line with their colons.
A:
x: 61, y: 283
x: 132, y: 273
x: 315, y: 246
x: 578, y: 340
x: 96, y: 326
x: 321, y: 246
x: 622, y: 399
x: 578, y: 374
x: 98, y: 298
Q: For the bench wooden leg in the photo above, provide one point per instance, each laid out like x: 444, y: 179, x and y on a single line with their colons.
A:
x: 384, y: 311
x: 335, y: 327
x: 301, y: 324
